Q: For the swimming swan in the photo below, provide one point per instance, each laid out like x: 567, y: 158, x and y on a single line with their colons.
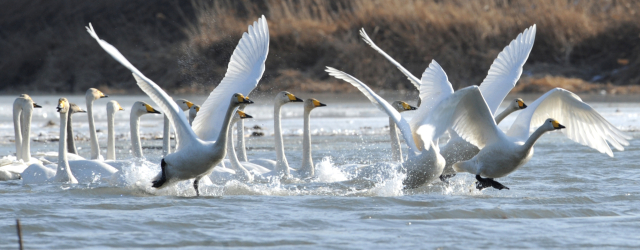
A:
x: 22, y: 111
x: 244, y: 171
x: 83, y: 171
x: 201, y: 148
x: 92, y: 95
x: 307, y: 168
x: 138, y: 109
x: 396, y: 150
x: 500, y: 154
x: 71, y: 142
x: 112, y: 108
x: 423, y: 165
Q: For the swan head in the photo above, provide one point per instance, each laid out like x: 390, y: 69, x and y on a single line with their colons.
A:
x: 238, y: 99
x: 184, y: 104
x: 63, y: 106
x: 94, y: 94
x: 401, y: 106
x: 140, y: 108
x: 286, y: 97
x: 552, y: 124
x: 73, y: 108
x: 518, y: 104
x: 26, y: 100
x: 193, y: 111
x: 312, y: 103
x: 113, y: 107
x: 243, y: 115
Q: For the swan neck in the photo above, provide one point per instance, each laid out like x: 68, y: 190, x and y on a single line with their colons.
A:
x: 95, y: 147
x: 71, y: 144
x: 221, y: 142
x: 134, y: 125
x: 307, y: 169
x: 25, y: 121
x: 63, y: 172
x: 282, y: 166
x: 17, y: 113
x: 506, y: 112
x: 166, y: 137
x: 111, y: 137
x: 396, y: 151
x: 242, y: 151
x: 533, y: 138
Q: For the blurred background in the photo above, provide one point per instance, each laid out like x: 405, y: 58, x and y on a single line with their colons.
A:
x: 185, y: 46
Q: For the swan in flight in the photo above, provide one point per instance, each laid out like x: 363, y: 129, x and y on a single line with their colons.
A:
x: 81, y: 171
x: 92, y: 95
x: 71, y: 142
x: 396, y: 150
x: 423, y: 165
x: 501, y: 154
x: 202, y: 146
x: 138, y: 109
x: 308, y: 169
x: 501, y: 78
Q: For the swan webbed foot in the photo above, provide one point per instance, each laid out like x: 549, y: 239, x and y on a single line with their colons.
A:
x: 483, y: 183
x: 163, y: 178
x: 195, y: 186
x: 445, y: 178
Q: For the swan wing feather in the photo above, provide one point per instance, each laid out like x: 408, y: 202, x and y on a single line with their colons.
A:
x: 583, y: 124
x: 380, y: 103
x: 245, y: 69
x: 166, y: 103
x: 435, y: 87
x: 507, y: 68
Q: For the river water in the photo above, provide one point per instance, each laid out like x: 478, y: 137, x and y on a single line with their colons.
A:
x: 567, y: 196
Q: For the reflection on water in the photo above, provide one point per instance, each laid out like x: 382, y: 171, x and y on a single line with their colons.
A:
x: 567, y: 196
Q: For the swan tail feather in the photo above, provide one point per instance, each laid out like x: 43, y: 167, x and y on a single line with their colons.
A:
x: 163, y: 177
x: 465, y: 166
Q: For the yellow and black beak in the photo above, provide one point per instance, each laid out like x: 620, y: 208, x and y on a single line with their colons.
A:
x: 242, y: 99
x: 197, y: 109
x: 557, y: 125
x: 120, y: 107
x: 406, y: 106
x: 521, y: 104
x: 102, y: 95
x: 244, y: 115
x: 189, y: 104
x: 317, y: 103
x: 60, y: 105
x: 293, y: 98
x: 35, y: 105
x: 151, y: 110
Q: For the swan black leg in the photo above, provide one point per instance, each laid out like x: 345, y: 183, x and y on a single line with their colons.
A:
x: 445, y: 177
x: 195, y: 186
x: 163, y: 178
x: 483, y: 183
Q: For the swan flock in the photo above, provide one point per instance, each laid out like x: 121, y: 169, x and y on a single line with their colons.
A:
x: 204, y: 133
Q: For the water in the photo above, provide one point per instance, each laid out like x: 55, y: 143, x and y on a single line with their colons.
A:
x: 567, y: 196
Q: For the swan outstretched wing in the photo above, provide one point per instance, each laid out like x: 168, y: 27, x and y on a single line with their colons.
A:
x: 583, y: 124
x: 411, y: 77
x: 380, y: 103
x: 244, y: 71
x: 434, y: 88
x: 507, y: 68
x: 166, y: 103
x: 466, y: 112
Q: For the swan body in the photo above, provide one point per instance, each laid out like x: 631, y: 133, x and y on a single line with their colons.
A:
x: 92, y: 95
x: 500, y: 154
x: 202, y: 147
x: 423, y: 165
x: 138, y: 109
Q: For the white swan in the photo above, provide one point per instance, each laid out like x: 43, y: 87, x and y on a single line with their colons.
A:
x: 166, y: 133
x: 193, y: 112
x: 307, y: 168
x: 92, y: 95
x: 22, y: 111
x: 396, y: 151
x: 500, y: 153
x: 112, y: 108
x: 282, y: 166
x: 71, y: 142
x: 240, y: 146
x: 423, y: 165
x: 138, y: 109
x: 197, y: 153
x: 83, y: 171
x: 502, y: 77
